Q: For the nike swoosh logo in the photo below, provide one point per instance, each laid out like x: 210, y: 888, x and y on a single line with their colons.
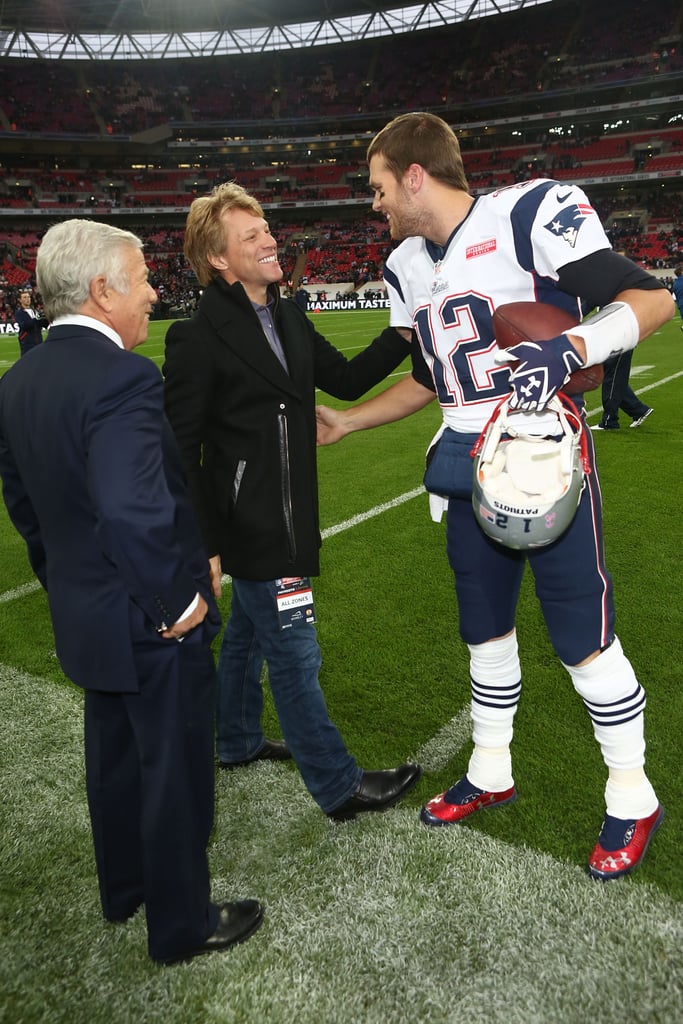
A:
x: 563, y: 199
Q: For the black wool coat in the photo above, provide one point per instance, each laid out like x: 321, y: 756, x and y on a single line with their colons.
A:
x: 246, y: 427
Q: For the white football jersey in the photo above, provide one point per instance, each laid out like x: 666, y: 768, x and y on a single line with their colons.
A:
x: 508, y: 249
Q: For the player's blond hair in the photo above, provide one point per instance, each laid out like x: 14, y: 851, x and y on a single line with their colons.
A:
x: 205, y: 231
x: 424, y: 139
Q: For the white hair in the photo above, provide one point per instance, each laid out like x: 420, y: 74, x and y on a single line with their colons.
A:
x: 74, y: 252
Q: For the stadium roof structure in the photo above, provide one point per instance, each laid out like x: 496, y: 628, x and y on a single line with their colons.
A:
x: 154, y: 29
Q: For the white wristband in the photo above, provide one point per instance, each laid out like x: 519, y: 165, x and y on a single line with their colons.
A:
x: 609, y: 332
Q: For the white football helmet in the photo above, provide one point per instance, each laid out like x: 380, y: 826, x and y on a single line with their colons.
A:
x: 527, y: 487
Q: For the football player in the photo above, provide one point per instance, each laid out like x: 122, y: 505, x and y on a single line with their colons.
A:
x: 460, y: 257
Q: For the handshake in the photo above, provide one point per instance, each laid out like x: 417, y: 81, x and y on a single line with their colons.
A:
x: 330, y: 425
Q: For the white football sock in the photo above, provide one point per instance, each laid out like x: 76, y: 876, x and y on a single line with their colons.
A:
x: 496, y: 686
x: 629, y: 794
x: 491, y: 769
x: 615, y: 701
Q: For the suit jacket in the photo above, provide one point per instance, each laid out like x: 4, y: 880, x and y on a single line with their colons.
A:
x: 246, y: 427
x: 92, y: 480
x: 30, y: 326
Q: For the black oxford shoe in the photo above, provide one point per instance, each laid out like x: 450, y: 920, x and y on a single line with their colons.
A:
x: 236, y: 922
x: 272, y: 750
x: 378, y: 790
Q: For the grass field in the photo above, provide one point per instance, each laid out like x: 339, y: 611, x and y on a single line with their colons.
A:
x: 380, y: 921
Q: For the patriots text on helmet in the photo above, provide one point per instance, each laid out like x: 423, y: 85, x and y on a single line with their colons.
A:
x: 514, y: 511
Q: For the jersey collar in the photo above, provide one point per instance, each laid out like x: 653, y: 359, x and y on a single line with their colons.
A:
x: 438, y: 252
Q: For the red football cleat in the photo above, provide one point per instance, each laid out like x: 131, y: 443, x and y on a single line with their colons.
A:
x: 460, y: 801
x: 622, y: 844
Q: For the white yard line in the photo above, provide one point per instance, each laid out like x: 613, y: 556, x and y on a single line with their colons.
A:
x: 362, y: 517
x: 22, y: 591
x: 29, y: 588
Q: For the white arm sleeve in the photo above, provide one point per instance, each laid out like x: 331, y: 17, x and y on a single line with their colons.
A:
x: 609, y: 332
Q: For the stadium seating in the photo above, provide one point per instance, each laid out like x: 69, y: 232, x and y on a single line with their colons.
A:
x: 292, y: 127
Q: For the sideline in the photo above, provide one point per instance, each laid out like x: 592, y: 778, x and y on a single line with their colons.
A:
x: 364, y: 920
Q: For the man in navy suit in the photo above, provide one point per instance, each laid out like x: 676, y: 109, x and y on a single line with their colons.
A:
x: 29, y: 322
x: 92, y: 481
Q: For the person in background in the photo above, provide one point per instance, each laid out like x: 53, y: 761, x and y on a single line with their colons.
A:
x: 92, y: 480
x: 460, y: 258
x: 618, y: 394
x: 29, y: 322
x: 678, y: 291
x: 301, y: 298
x: 240, y: 380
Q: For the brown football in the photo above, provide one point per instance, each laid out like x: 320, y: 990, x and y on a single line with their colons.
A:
x: 514, y: 322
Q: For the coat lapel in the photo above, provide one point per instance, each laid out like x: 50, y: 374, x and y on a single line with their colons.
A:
x: 238, y: 327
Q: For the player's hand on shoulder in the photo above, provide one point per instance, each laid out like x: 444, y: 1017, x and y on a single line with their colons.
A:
x: 543, y: 368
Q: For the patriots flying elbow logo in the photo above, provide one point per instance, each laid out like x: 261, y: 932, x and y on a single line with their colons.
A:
x: 568, y: 222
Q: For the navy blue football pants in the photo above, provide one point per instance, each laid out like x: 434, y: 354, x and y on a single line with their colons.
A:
x: 572, y: 583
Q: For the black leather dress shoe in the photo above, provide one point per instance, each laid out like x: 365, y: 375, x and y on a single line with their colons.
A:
x: 378, y: 790
x: 236, y: 922
x: 272, y: 750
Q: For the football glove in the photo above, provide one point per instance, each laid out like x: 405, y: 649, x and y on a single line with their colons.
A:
x: 543, y: 368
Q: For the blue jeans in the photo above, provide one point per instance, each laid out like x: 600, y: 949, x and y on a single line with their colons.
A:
x: 252, y: 636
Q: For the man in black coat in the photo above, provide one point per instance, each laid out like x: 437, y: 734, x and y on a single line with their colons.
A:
x: 93, y: 482
x: 240, y: 378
